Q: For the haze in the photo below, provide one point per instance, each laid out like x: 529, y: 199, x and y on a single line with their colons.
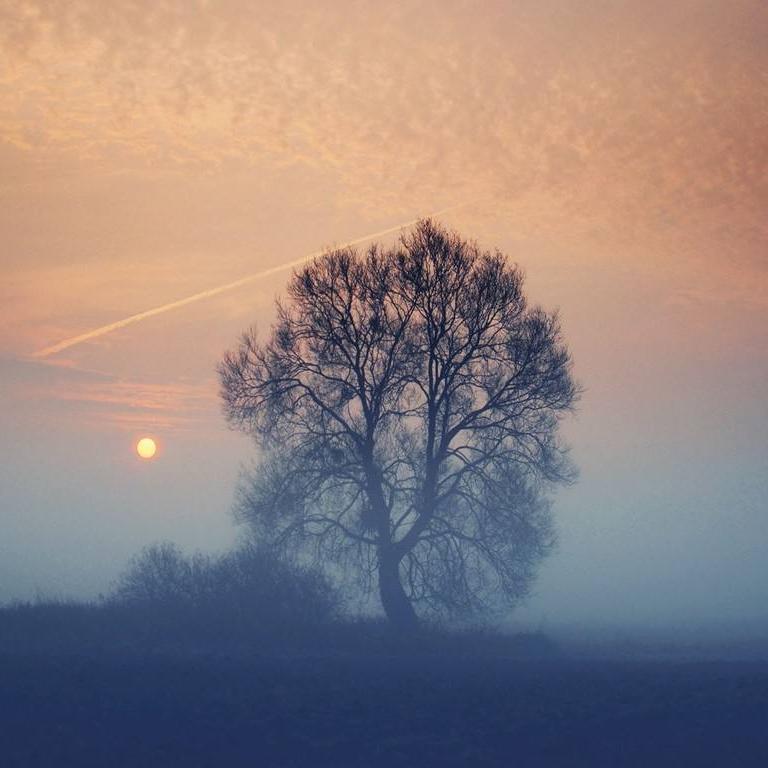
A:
x: 616, y: 150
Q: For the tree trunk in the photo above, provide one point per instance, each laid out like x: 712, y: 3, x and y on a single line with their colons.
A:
x: 395, y: 602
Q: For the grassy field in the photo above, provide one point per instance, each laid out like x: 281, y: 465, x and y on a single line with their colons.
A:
x: 168, y: 684
x: 202, y: 709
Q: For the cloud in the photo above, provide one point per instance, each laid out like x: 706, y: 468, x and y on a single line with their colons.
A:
x: 633, y: 130
x: 633, y: 116
x: 56, y: 393
x: 135, y: 405
x: 95, y: 333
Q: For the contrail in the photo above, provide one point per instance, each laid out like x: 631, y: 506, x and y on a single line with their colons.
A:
x: 96, y: 332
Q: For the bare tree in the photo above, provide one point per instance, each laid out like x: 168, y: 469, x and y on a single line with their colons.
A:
x: 406, y: 406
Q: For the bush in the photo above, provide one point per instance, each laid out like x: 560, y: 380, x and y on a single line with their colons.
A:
x: 249, y: 589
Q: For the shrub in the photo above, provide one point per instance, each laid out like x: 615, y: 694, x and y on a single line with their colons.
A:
x: 249, y: 589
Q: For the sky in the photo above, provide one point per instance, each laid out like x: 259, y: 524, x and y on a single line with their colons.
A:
x: 617, y: 151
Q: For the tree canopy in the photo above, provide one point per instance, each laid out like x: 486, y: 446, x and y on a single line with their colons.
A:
x: 406, y: 405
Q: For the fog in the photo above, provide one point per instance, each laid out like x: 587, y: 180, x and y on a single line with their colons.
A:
x: 665, y: 524
x: 152, y: 152
x: 615, y: 152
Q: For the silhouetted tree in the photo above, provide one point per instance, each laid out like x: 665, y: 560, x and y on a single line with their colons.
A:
x: 406, y: 406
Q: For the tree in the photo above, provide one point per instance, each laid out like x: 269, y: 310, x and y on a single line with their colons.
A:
x: 406, y: 405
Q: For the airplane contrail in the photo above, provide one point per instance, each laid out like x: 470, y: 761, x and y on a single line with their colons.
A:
x: 138, y: 317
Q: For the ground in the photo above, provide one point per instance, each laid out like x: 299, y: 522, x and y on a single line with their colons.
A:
x: 202, y: 709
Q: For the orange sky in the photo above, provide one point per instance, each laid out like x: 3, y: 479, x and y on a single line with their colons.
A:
x: 152, y: 150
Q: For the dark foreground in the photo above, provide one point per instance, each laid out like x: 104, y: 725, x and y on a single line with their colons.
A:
x: 159, y: 710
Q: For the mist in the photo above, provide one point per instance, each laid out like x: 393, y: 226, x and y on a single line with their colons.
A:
x: 196, y: 157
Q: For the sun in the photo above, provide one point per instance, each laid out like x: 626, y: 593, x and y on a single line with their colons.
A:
x: 146, y: 447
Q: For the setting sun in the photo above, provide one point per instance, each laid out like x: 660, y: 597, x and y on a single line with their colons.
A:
x: 146, y: 447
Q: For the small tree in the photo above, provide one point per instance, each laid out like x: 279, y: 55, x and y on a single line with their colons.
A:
x: 248, y: 582
x: 159, y: 575
x: 406, y: 405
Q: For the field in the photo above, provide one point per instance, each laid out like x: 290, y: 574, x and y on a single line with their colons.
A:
x: 343, y: 711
